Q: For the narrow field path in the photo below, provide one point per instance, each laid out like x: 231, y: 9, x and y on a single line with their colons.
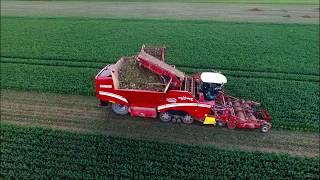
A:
x: 165, y: 10
x: 80, y: 113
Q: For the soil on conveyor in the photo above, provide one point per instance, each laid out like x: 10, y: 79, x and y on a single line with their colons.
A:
x: 132, y: 75
x: 154, y: 51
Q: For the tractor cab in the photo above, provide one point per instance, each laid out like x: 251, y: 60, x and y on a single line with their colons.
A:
x: 211, y: 84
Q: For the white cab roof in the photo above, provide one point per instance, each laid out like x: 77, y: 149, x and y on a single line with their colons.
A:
x: 211, y: 77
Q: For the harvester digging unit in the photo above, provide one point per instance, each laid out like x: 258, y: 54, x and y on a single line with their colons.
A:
x: 144, y: 85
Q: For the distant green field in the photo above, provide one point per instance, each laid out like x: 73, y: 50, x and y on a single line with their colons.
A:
x: 209, y: 1
x: 257, y: 47
x: 42, y: 153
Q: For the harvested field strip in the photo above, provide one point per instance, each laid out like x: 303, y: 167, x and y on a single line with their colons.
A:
x: 165, y: 10
x: 38, y: 152
x: 286, y: 2
x: 80, y: 113
x: 187, y: 69
x: 287, y: 48
x: 279, y: 96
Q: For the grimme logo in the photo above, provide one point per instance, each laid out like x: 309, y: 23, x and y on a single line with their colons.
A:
x: 185, y: 98
x: 171, y: 100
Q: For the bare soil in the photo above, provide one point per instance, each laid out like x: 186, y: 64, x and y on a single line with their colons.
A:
x: 254, y: 9
x: 132, y: 75
x: 80, y: 113
x: 154, y: 51
x: 164, y: 10
x: 306, y: 16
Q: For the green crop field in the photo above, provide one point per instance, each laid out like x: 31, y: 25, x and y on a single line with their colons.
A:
x: 48, y: 65
x: 283, y: 48
x: 275, y: 64
x: 42, y: 153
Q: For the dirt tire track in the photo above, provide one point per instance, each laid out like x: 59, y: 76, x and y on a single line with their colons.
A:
x: 80, y: 113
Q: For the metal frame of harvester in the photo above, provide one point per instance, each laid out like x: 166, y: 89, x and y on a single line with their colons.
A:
x: 182, y: 99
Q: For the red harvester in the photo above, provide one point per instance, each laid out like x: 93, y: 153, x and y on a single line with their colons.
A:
x: 181, y: 98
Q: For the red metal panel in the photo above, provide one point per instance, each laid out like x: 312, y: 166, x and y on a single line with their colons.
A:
x: 143, y: 112
x: 141, y: 98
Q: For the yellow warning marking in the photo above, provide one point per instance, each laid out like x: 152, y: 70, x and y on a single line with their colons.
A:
x: 209, y: 120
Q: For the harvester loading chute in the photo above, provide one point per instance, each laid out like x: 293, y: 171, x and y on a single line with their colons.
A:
x: 160, y: 67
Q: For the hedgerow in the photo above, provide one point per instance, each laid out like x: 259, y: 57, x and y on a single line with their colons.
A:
x: 43, y: 153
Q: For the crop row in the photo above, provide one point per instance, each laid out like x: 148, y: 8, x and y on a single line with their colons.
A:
x: 187, y: 69
x: 36, y: 152
x: 290, y: 48
x: 293, y: 104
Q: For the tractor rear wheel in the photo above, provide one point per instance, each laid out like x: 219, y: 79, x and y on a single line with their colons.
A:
x: 264, y: 128
x: 187, y: 119
x: 119, y: 109
x: 165, y: 117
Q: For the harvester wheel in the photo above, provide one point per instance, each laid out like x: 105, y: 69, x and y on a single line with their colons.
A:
x: 165, y: 117
x: 119, y: 109
x: 264, y: 128
x: 187, y: 119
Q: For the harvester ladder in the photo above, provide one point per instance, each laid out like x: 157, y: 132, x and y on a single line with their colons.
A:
x: 185, y: 83
x: 192, y: 86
